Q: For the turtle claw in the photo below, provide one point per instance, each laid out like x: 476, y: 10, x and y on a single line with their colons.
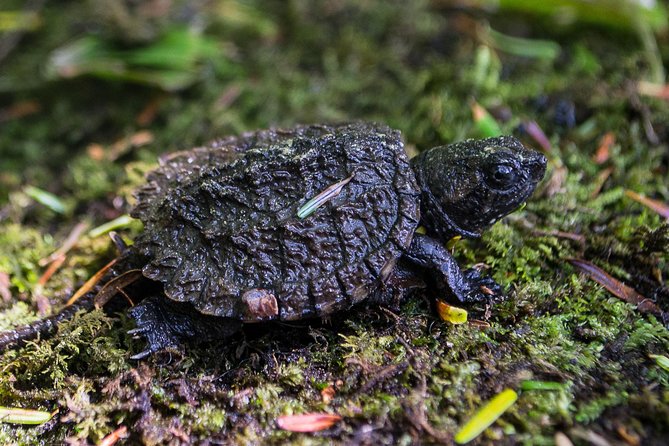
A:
x: 137, y: 331
x: 141, y: 355
x: 481, y: 288
x: 166, y: 325
x: 152, y: 324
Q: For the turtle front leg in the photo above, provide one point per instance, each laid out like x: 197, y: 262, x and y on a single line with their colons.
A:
x: 467, y: 286
x: 167, y: 325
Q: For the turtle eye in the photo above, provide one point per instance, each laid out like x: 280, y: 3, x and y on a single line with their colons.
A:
x: 502, y: 176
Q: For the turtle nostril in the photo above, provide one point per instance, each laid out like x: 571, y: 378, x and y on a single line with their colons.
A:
x: 535, y: 163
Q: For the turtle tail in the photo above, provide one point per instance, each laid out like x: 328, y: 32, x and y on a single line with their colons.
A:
x: 44, y: 327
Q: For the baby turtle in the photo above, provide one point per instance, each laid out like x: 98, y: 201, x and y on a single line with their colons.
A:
x: 309, y: 221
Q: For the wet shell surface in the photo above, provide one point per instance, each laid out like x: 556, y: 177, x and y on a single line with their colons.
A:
x: 279, y: 224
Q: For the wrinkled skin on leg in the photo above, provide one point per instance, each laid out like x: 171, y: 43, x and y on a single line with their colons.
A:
x: 429, y: 264
x: 466, y: 286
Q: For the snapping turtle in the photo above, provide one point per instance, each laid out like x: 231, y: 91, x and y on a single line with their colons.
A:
x: 305, y: 222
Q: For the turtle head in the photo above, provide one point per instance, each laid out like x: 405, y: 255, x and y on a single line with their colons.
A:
x: 468, y: 186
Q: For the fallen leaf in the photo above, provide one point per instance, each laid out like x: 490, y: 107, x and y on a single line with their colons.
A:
x: 111, y: 439
x: 90, y: 283
x: 604, y: 149
x: 660, y: 91
x: 616, y: 287
x: 538, y: 135
x: 114, y: 286
x: 479, y: 323
x: 327, y: 394
x: 5, y: 294
x: 42, y: 302
x: 590, y: 437
x: 630, y: 438
x: 96, y: 151
x: 308, y: 422
x: 451, y: 314
x: 485, y: 123
x: 657, y: 206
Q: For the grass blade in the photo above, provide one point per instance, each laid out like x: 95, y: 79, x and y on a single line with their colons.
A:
x: 120, y: 222
x: 14, y: 415
x: 45, y: 198
x: 319, y: 200
x: 486, y: 415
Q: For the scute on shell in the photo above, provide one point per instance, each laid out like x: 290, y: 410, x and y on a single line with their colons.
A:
x: 221, y: 221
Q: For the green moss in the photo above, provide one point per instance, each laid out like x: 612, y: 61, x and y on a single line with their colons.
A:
x: 17, y: 315
x: 79, y: 347
x: 89, y: 179
x: 208, y: 417
x: 366, y: 348
x: 648, y: 335
x: 591, y: 410
x: 292, y: 374
x: 22, y: 249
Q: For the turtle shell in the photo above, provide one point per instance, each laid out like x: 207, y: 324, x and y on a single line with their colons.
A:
x: 222, y: 229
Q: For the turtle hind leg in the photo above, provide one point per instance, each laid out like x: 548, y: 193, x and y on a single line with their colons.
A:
x: 402, y: 282
x: 167, y: 325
